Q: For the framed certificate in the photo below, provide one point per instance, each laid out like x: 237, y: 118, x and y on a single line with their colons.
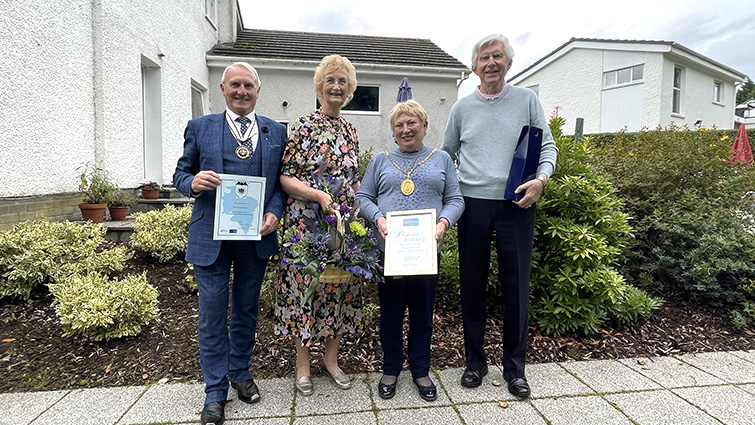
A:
x: 410, y: 247
x: 239, y: 206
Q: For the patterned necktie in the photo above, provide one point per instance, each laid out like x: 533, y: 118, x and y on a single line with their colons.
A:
x: 244, y: 122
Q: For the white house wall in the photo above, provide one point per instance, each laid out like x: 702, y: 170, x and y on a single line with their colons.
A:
x: 47, y: 130
x: 573, y: 83
x: 296, y: 87
x: 77, y: 66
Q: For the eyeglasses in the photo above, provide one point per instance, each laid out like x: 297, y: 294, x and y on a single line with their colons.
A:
x: 496, y: 57
x: 340, y: 81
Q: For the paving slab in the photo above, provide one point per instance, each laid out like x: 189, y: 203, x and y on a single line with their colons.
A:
x: 361, y: 418
x: 671, y: 372
x: 745, y: 355
x: 609, y: 376
x: 167, y: 403
x: 552, y: 380
x: 588, y: 410
x: 729, y: 404
x: 451, y: 382
x: 85, y: 406
x: 22, y: 408
x: 327, y: 398
x: 406, y: 393
x: 660, y: 407
x: 724, y: 365
x: 750, y: 388
x: 516, y: 413
x: 276, y: 400
x: 259, y: 421
x: 445, y: 415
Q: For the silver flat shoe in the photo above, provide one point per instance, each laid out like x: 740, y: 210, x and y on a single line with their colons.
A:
x: 304, y: 385
x: 340, y: 379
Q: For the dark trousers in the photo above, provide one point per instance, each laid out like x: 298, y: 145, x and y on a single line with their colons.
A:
x: 514, y: 228
x: 225, y: 351
x: 417, y: 293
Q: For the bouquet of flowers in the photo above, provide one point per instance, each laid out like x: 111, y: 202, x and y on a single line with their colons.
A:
x: 335, y: 238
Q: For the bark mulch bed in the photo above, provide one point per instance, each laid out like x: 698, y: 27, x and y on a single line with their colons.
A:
x: 34, y: 356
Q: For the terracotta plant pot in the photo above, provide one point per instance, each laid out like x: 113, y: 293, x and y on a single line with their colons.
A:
x: 151, y: 193
x: 118, y: 213
x: 93, y: 212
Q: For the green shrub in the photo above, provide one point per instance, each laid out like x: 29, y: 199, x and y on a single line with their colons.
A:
x: 42, y: 251
x: 97, y: 308
x: 162, y: 233
x: 693, y: 213
x: 579, y: 233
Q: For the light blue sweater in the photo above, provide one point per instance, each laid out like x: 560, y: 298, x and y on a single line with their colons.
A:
x: 435, y: 186
x: 482, y: 135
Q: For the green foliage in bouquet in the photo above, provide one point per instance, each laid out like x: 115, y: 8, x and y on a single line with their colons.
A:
x: 162, y: 233
x: 579, y: 233
x: 41, y: 251
x: 333, y: 241
x: 98, y: 308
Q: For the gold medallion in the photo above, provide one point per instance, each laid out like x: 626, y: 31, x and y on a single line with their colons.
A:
x: 242, y: 152
x: 407, y: 187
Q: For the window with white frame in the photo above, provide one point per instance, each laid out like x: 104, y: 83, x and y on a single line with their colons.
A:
x: 630, y: 74
x: 198, y: 94
x: 718, y: 91
x: 366, y: 99
x: 676, y: 100
x: 211, y: 11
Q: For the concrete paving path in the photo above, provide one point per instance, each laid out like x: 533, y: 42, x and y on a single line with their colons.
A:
x: 700, y: 389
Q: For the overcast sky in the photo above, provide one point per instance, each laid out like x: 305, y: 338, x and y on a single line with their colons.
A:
x: 723, y: 30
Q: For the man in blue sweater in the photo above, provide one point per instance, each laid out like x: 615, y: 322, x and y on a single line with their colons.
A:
x: 481, y: 135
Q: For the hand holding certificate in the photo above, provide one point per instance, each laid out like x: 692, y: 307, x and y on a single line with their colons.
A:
x: 410, y: 246
x: 239, y: 206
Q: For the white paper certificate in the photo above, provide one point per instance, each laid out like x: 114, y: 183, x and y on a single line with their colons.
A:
x: 239, y: 206
x: 410, y: 247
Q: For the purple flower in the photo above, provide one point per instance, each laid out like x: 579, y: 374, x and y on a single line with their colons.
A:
x: 295, y: 238
x: 285, y: 261
x: 331, y: 219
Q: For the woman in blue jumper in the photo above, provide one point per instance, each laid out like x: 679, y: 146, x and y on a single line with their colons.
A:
x: 408, y: 177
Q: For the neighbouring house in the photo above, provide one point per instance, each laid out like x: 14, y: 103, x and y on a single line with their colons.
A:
x: 113, y: 84
x: 744, y: 114
x: 632, y: 84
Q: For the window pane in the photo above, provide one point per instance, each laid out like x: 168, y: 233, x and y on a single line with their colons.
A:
x: 197, y: 103
x: 610, y: 78
x: 365, y: 99
x: 637, y: 72
x: 677, y: 78
x: 676, y: 101
x: 717, y: 92
x: 624, y: 76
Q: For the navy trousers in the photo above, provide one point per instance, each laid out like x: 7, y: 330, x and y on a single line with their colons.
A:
x: 514, y: 228
x: 417, y: 293
x: 225, y: 351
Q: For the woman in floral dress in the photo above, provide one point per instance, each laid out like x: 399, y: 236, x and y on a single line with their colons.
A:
x: 322, y: 153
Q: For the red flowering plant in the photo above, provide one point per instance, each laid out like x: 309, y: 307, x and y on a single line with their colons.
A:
x: 334, y: 238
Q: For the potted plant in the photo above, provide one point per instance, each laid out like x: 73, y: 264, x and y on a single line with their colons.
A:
x: 96, y: 187
x: 119, y: 203
x: 150, y: 190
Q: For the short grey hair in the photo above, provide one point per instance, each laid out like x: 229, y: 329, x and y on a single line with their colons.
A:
x: 245, y: 65
x: 508, y: 50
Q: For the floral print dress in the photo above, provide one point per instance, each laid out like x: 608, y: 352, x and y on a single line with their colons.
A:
x: 322, y: 151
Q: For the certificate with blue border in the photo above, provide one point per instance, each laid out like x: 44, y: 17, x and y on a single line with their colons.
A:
x: 410, y: 246
x: 239, y: 206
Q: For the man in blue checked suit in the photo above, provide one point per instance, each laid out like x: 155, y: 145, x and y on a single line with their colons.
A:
x: 238, y: 141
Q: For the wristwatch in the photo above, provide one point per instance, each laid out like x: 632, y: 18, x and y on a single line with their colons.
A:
x: 542, y: 179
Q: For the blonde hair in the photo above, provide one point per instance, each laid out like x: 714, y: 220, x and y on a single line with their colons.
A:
x: 410, y: 107
x: 330, y: 64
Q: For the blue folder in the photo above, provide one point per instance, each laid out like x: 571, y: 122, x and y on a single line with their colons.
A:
x: 526, y: 160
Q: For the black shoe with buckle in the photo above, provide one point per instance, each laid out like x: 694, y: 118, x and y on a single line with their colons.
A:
x: 473, y: 378
x: 518, y: 386
x: 213, y: 413
x: 247, y: 391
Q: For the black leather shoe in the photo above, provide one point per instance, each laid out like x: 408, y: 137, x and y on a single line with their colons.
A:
x: 386, y: 391
x: 213, y: 413
x: 247, y: 391
x: 518, y: 386
x: 429, y: 393
x: 473, y: 378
